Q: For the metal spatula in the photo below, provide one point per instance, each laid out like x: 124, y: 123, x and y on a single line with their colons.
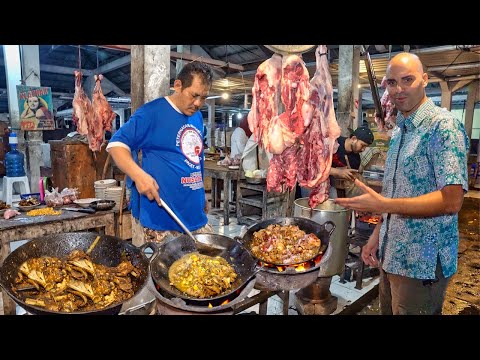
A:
x: 210, y: 248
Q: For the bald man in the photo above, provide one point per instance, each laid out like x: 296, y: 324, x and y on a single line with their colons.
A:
x: 416, y: 244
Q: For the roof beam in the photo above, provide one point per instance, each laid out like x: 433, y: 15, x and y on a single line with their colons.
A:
x: 192, y: 57
x: 114, y: 65
x: 116, y: 47
x: 454, y: 67
x: 63, y: 70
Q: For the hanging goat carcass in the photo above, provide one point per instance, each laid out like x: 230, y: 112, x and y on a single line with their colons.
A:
x: 82, y: 107
x: 103, y: 116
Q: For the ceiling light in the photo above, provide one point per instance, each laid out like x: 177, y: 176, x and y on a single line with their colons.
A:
x: 225, y: 95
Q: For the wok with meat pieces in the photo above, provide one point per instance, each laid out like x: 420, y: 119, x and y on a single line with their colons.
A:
x: 201, y: 276
x: 284, y: 244
x: 74, y: 283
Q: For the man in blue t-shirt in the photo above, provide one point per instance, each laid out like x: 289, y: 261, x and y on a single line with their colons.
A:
x: 169, y: 133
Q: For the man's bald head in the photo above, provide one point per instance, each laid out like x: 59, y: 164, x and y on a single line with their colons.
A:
x: 406, y: 60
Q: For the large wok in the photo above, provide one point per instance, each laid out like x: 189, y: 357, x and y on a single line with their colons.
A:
x: 108, y: 252
x: 307, y: 225
x: 173, y: 249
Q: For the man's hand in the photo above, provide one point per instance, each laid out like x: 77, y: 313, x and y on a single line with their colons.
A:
x: 370, y: 201
x: 369, y: 250
x: 207, y: 207
x: 347, y: 174
x: 146, y: 185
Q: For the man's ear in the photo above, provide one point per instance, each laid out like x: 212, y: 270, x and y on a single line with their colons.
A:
x: 425, y: 79
x: 177, y: 85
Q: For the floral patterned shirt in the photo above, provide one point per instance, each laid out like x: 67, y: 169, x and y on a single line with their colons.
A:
x: 428, y: 150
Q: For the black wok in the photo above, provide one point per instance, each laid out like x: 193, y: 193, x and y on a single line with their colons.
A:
x: 173, y: 249
x: 102, y: 205
x: 307, y: 225
x: 108, y: 251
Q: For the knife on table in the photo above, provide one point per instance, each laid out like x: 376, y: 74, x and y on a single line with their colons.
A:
x: 84, y: 210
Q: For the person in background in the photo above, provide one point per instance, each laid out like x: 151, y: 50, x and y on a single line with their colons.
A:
x: 424, y: 183
x: 239, y: 139
x: 169, y: 133
x: 351, y: 147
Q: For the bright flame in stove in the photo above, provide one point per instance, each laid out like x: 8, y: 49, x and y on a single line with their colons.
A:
x: 210, y: 305
x: 298, y: 267
x: 225, y: 302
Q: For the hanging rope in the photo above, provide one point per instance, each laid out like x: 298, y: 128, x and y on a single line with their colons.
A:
x: 79, y: 59
x: 97, y: 57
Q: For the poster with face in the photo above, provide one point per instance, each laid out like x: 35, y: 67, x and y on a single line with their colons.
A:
x: 35, y: 107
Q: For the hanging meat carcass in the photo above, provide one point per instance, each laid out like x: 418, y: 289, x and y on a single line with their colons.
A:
x: 288, y: 126
x: 319, y: 140
x: 284, y: 129
x: 265, y: 94
x: 389, y: 111
x: 82, y: 107
x: 103, y: 116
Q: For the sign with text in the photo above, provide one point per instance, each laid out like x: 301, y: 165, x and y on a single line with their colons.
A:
x: 35, y: 107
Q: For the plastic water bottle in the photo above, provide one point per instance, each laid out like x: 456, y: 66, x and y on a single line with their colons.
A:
x: 14, y: 159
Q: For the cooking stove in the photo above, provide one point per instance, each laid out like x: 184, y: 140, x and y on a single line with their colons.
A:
x: 166, y: 304
x: 303, y: 277
x: 316, y: 298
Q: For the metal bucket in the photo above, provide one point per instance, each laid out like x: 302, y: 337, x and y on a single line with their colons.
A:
x: 329, y: 211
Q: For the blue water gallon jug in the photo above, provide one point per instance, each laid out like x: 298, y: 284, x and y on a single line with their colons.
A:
x: 14, y: 159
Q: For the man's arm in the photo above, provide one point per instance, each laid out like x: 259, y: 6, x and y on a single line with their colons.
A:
x: 448, y: 200
x: 146, y: 184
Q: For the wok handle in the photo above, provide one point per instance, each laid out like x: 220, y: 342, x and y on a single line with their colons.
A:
x: 175, y: 217
x: 330, y: 232
x: 149, y: 245
x: 238, y: 239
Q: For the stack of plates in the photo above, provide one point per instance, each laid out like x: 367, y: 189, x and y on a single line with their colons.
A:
x: 114, y: 193
x: 101, y: 185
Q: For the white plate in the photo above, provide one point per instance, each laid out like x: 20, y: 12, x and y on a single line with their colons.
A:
x: 234, y: 167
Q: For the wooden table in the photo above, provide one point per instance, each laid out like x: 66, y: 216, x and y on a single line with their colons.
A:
x: 23, y: 227
x: 224, y: 173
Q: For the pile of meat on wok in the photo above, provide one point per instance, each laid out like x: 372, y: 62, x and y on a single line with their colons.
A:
x: 279, y: 244
x: 74, y: 283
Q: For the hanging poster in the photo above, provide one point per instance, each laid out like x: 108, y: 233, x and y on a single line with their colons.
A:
x: 36, y: 108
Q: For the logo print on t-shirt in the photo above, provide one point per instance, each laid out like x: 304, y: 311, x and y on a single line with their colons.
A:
x: 191, y: 144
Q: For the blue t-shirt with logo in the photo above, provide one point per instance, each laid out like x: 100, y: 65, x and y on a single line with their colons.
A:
x: 172, y: 153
